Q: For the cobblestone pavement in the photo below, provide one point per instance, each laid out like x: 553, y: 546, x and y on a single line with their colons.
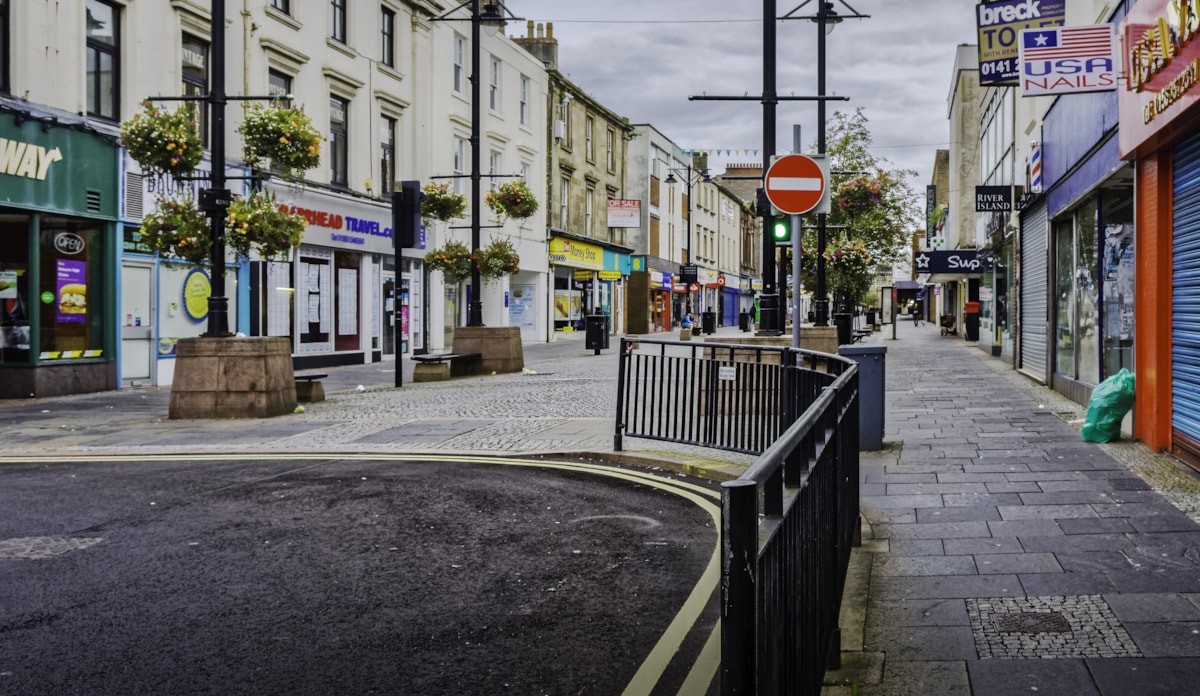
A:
x: 1003, y: 554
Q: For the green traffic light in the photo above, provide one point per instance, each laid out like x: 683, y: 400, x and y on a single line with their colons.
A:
x: 781, y: 230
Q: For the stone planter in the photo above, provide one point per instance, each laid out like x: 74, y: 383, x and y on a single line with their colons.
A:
x: 235, y: 377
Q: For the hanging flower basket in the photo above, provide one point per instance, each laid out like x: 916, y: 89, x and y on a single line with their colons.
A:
x: 512, y: 199
x: 453, y: 260
x: 285, y: 136
x: 162, y: 141
x: 257, y: 223
x: 498, y: 259
x: 178, y: 231
x: 848, y: 265
x: 441, y: 203
x: 858, y: 195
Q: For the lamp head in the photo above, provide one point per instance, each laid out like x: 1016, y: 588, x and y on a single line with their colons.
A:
x: 707, y: 177
x: 828, y: 15
x: 671, y: 179
x: 492, y: 13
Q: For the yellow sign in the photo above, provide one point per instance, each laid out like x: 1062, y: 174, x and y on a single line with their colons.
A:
x: 610, y: 275
x: 568, y: 252
x: 196, y: 291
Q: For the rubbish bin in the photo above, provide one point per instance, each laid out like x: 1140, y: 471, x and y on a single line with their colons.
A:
x: 844, y: 324
x: 744, y: 321
x: 971, y: 320
x: 709, y: 320
x: 872, y: 368
x: 596, y: 337
x: 870, y: 317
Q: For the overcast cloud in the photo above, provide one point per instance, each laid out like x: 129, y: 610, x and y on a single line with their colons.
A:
x: 644, y: 58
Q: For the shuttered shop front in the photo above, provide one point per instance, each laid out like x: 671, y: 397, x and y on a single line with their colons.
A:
x: 1185, y: 300
x: 1034, y: 289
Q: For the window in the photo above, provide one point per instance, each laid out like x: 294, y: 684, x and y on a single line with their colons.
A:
x: 496, y: 164
x: 564, y: 193
x: 337, y: 22
x: 387, y: 33
x: 458, y: 63
x: 589, y: 124
x: 103, y: 48
x: 587, y: 211
x: 284, y: 6
x: 567, y: 140
x: 195, y: 79
x: 460, y: 162
x: 524, y: 100
x: 387, y: 155
x: 4, y: 57
x: 338, y: 141
x: 610, y: 154
x: 279, y: 85
x: 494, y: 85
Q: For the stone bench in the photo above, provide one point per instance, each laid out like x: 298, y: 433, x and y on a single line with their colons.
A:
x: 308, y: 387
x: 434, y: 367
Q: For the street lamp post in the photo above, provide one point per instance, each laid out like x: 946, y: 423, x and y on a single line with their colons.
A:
x: 692, y: 175
x: 493, y: 14
x: 826, y: 19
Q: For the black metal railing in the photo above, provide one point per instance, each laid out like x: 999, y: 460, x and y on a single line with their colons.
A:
x: 788, y: 526
x: 735, y: 397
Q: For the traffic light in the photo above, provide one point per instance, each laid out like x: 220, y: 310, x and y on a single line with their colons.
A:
x: 781, y: 231
x: 406, y: 214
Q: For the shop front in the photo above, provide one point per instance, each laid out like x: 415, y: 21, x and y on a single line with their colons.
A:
x: 58, y: 213
x: 588, y: 280
x: 341, y: 298
x: 1159, y: 106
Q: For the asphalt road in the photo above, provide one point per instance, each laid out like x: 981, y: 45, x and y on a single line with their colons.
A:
x: 354, y: 575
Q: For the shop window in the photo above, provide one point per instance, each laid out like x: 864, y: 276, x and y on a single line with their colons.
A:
x: 195, y: 80
x: 71, y: 322
x: 14, y: 289
x: 1077, y: 293
x: 103, y: 64
x: 346, y: 303
x: 1116, y: 217
x: 314, y: 294
x: 5, y: 57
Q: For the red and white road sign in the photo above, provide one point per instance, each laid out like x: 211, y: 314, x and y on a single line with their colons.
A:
x: 795, y: 184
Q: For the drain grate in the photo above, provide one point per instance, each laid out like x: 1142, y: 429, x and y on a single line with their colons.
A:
x: 1038, y: 628
x: 1032, y: 622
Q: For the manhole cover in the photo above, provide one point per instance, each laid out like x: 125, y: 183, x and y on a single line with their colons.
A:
x: 1032, y: 622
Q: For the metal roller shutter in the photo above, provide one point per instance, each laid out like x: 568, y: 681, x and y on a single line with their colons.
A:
x: 1035, y: 261
x: 1185, y: 297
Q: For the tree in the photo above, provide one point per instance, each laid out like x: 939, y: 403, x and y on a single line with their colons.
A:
x: 871, y: 203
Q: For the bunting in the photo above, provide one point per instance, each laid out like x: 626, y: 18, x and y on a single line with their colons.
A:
x: 723, y: 152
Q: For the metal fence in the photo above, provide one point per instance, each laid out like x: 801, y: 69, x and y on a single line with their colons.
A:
x: 727, y: 396
x: 790, y: 521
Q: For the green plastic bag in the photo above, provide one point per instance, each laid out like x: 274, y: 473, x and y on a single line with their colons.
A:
x: 1111, y: 400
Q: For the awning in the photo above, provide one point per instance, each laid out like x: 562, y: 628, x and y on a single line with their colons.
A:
x: 952, y: 264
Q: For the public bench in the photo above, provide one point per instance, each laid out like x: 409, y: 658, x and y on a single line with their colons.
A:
x: 434, y: 367
x: 308, y: 387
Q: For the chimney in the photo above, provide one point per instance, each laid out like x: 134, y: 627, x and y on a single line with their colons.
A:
x: 549, y: 31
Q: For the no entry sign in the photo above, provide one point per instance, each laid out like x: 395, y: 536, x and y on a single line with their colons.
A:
x: 795, y: 184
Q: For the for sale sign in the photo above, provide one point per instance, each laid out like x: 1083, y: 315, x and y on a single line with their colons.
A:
x: 1000, y: 24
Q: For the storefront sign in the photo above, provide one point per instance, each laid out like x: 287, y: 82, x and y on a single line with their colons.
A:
x: 46, y: 166
x: 960, y: 261
x: 993, y: 198
x: 569, y: 252
x: 340, y: 221
x: 999, y: 24
x: 196, y: 291
x: 1162, y: 66
x: 1067, y: 60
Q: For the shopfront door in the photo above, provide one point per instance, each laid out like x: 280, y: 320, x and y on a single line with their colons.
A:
x: 137, y: 316
x: 388, y: 317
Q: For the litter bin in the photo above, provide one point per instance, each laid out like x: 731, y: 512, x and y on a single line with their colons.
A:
x: 709, y: 320
x: 971, y: 320
x: 844, y: 324
x: 596, y: 337
x: 744, y: 321
x: 870, y: 317
x: 872, y: 368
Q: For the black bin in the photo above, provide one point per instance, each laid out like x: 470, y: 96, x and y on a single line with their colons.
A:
x: 870, y: 317
x: 744, y: 321
x: 596, y: 337
x: 844, y: 324
x: 971, y: 324
x: 709, y: 321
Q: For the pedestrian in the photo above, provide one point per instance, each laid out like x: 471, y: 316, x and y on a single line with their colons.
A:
x: 916, y: 314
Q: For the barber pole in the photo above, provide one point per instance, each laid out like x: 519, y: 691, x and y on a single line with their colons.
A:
x: 1035, y: 168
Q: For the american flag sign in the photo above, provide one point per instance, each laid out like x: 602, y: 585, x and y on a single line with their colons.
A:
x: 1062, y: 60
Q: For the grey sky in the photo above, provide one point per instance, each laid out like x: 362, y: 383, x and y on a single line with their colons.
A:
x: 644, y: 58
